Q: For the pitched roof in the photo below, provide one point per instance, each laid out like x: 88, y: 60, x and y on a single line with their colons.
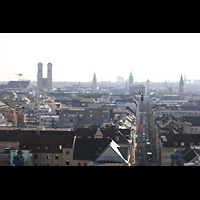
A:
x: 110, y: 132
x: 111, y: 154
x: 15, y: 84
x: 186, y: 155
x: 194, y: 120
x: 89, y: 149
x: 29, y: 140
x: 175, y: 140
x: 53, y: 142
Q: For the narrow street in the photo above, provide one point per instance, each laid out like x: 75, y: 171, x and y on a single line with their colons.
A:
x: 144, y: 155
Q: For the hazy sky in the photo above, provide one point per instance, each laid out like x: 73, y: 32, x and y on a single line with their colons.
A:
x: 75, y: 56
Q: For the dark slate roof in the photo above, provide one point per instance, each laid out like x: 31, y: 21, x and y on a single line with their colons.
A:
x: 194, y: 120
x: 179, y: 138
x: 111, y: 132
x: 185, y: 155
x: 89, y: 149
x: 53, y: 142
x: 15, y: 84
x: 31, y: 140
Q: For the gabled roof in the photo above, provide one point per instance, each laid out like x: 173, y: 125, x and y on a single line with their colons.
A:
x: 111, y: 154
x: 15, y: 84
x: 89, y: 149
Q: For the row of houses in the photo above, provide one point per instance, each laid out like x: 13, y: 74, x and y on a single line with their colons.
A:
x: 175, y: 129
x: 83, y: 147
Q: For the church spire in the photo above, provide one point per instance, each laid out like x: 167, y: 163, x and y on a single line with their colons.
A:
x: 94, y: 83
x: 181, y: 85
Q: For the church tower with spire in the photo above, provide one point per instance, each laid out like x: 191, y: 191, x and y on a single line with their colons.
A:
x: 94, y: 83
x: 181, y: 85
x: 130, y: 79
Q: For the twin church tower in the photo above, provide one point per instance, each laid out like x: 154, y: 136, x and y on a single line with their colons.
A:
x: 44, y: 82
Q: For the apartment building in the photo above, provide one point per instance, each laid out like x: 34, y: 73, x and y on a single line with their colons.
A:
x: 78, y: 117
x: 46, y: 149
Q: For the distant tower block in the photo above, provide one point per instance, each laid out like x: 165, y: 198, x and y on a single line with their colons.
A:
x: 130, y: 79
x: 39, y: 75
x: 49, y: 75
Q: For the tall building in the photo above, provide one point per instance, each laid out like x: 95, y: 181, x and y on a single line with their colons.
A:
x: 40, y: 75
x: 44, y: 82
x: 181, y: 85
x: 94, y: 83
x: 49, y: 75
x: 130, y: 79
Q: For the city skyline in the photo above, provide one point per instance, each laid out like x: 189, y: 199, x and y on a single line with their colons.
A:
x: 76, y: 56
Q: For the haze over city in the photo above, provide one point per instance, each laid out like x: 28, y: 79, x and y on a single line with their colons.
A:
x: 76, y: 56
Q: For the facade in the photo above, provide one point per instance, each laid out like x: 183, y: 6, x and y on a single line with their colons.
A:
x: 44, y: 149
x: 79, y: 117
x: 49, y: 121
x: 44, y: 82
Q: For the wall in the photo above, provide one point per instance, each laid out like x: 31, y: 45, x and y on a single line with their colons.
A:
x: 166, y: 155
x: 43, y: 161
x: 82, y: 162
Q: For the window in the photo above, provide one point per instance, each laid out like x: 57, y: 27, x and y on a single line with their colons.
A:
x: 116, y: 138
x: 67, y: 162
x: 67, y: 153
x: 182, y: 144
x: 175, y: 143
x: 48, y: 157
x: 36, y: 156
x: 56, y: 157
x: 79, y: 164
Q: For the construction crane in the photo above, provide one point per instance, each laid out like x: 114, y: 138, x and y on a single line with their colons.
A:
x: 170, y: 88
x: 19, y: 79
